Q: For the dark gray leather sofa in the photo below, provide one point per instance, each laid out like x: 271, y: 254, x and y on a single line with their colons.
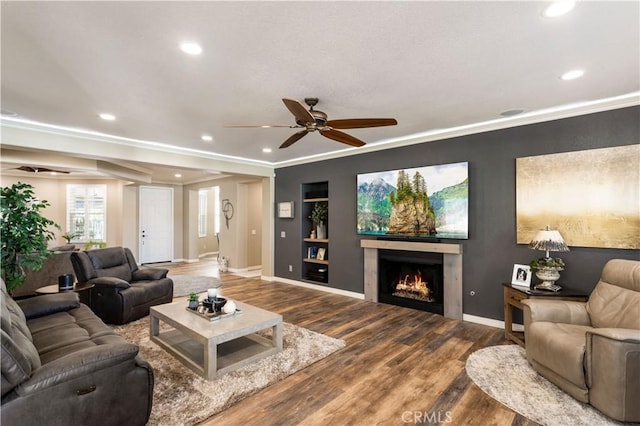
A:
x: 61, y: 365
x: 122, y: 292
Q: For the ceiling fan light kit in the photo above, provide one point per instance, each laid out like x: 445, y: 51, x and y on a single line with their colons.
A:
x: 311, y: 120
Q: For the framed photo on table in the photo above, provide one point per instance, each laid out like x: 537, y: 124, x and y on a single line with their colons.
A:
x: 521, y: 275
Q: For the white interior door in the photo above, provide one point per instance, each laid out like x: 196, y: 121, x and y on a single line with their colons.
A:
x: 156, y: 224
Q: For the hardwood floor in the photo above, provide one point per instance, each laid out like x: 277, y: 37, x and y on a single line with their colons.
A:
x: 400, y: 366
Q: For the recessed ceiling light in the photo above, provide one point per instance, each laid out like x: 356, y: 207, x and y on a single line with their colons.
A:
x: 572, y: 75
x: 206, y: 138
x: 107, y: 116
x: 178, y: 175
x: 191, y: 48
x: 266, y: 150
x: 558, y: 8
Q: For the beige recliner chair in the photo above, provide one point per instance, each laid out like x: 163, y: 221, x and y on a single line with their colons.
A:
x: 592, y: 350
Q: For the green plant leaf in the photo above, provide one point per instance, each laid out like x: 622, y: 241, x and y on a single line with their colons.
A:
x: 24, y: 233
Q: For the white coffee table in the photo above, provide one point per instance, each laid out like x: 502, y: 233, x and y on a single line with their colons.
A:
x: 212, y: 348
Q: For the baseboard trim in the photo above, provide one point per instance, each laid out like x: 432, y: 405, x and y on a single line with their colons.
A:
x: 208, y: 254
x: 321, y: 288
x: 238, y: 270
x: 465, y: 317
x: 490, y: 322
x: 247, y: 269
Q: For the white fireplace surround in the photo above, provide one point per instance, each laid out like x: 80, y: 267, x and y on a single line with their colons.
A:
x: 451, y: 267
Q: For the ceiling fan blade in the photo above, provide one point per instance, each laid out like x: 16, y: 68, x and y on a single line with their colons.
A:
x: 264, y: 126
x: 294, y: 138
x: 38, y: 169
x: 342, y: 137
x: 299, y: 111
x: 359, y: 123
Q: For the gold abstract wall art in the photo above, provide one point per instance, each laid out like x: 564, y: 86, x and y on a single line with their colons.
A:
x: 592, y: 197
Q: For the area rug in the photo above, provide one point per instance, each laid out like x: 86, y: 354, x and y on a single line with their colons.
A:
x: 177, y: 387
x: 504, y: 373
x: 185, y: 284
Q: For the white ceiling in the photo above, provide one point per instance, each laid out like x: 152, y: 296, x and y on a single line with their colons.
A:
x: 431, y: 65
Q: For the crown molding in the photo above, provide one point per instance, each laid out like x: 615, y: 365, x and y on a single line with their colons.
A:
x: 18, y: 132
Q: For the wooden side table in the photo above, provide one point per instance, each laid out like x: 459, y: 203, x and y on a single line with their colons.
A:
x: 513, y: 296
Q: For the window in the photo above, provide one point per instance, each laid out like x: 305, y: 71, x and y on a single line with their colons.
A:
x: 216, y: 209
x: 205, y: 206
x: 87, y: 212
x: 202, y: 212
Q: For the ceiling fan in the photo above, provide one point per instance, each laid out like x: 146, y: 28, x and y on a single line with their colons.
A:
x: 312, y: 120
x: 38, y: 169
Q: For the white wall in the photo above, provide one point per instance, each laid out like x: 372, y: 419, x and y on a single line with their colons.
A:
x: 122, y: 209
x: 243, y: 249
x: 55, y: 192
x: 252, y: 211
x: 209, y: 243
x: 130, y: 219
x: 254, y: 236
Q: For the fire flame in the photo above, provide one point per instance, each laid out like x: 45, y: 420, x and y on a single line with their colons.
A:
x: 414, y: 285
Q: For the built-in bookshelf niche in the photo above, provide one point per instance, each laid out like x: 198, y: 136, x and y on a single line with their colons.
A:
x: 315, y: 241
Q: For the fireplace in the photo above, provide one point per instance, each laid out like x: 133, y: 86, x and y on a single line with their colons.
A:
x: 451, y: 292
x: 411, y: 279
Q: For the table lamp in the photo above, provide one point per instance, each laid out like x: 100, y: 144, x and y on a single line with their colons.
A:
x: 548, y: 269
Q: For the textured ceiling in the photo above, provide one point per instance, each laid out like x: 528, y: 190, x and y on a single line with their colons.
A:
x: 431, y: 65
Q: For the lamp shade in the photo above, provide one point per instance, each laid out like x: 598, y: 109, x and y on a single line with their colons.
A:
x: 548, y: 240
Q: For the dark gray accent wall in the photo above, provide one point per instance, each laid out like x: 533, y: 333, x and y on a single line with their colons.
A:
x: 491, y: 250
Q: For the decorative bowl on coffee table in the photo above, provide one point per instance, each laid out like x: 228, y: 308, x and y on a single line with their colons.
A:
x: 218, y: 303
x: 214, y: 305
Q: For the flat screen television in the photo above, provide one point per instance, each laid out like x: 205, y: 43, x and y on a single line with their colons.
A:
x: 422, y: 202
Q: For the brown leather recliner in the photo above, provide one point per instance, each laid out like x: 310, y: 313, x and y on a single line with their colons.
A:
x: 592, y: 350
x: 122, y: 292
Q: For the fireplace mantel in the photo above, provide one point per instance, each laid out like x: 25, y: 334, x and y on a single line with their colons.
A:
x: 452, y: 268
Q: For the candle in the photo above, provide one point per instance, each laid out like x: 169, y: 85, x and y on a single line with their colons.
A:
x: 212, y: 293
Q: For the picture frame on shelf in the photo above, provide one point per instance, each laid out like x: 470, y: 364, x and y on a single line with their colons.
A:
x: 521, y: 275
x: 321, y: 253
x: 312, y: 252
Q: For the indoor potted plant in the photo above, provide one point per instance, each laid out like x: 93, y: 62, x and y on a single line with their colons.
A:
x: 547, y: 262
x: 24, y: 233
x: 318, y: 216
x: 547, y: 269
x: 94, y: 244
x: 68, y: 236
x: 193, y: 300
